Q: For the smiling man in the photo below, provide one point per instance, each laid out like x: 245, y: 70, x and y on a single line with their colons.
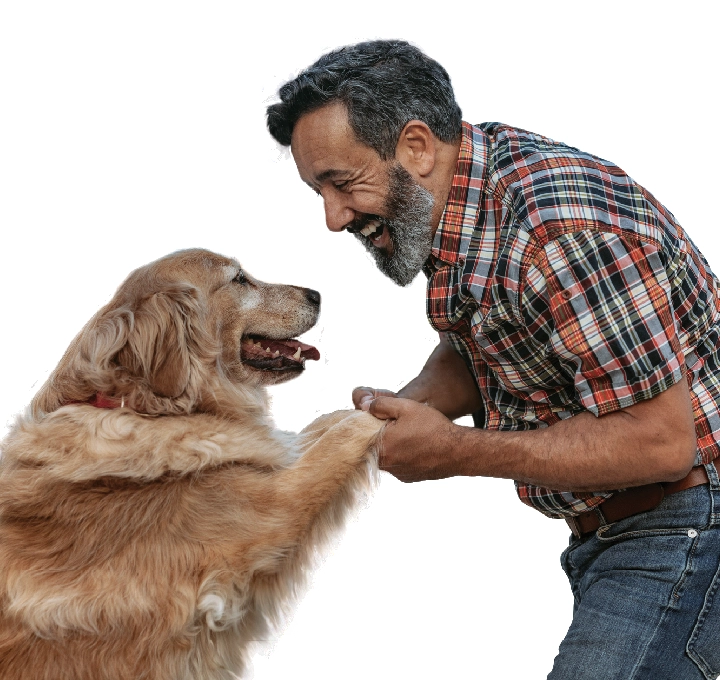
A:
x: 392, y: 215
x: 578, y: 325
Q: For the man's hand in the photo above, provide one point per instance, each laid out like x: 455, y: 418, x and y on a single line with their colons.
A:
x: 416, y: 439
x: 444, y: 382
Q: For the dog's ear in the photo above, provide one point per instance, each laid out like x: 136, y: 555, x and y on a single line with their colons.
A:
x: 131, y: 347
x: 162, y: 334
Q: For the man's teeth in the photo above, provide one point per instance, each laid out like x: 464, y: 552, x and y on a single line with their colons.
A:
x: 370, y: 228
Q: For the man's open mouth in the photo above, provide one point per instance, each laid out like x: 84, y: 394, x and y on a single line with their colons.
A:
x: 375, y: 232
x: 265, y: 354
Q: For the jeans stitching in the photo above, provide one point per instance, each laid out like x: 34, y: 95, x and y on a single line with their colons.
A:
x: 690, y: 647
x: 642, y: 533
x: 676, y: 594
x: 670, y: 606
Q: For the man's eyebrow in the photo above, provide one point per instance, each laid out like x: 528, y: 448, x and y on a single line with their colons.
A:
x: 331, y: 174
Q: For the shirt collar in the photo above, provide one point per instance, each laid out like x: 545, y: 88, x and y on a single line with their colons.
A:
x: 457, y: 223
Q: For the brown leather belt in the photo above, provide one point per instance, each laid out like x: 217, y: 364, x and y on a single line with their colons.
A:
x: 633, y: 501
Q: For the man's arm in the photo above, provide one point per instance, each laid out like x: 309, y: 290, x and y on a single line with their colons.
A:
x: 652, y: 441
x: 445, y: 383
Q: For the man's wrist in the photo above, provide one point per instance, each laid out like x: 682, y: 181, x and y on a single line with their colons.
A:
x: 459, y: 452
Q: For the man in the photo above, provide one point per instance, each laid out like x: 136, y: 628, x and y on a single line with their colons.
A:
x: 578, y: 324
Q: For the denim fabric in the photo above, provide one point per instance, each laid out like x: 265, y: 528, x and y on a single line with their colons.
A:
x: 647, y: 605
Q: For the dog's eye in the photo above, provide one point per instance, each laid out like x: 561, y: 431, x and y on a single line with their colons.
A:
x: 240, y: 277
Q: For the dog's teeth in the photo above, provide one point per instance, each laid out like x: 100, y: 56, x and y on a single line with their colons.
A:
x: 297, y: 354
x: 277, y: 353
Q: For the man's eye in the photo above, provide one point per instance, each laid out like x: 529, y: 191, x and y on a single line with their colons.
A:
x: 240, y: 277
x: 342, y: 186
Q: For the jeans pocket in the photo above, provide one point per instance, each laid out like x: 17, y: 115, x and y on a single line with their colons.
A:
x: 619, y: 532
x: 704, y: 644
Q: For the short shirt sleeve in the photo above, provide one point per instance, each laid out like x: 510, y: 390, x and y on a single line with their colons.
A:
x: 609, y: 302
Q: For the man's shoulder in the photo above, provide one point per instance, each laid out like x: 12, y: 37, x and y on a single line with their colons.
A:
x: 553, y: 188
x: 516, y: 153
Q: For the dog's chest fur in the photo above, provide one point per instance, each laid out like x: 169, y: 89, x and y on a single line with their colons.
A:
x: 113, y: 523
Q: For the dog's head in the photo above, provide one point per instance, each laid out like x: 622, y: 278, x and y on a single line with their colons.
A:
x: 178, y: 329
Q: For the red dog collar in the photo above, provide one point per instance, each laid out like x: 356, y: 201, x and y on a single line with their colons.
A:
x: 99, y: 400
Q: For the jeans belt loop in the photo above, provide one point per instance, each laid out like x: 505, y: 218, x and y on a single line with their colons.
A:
x: 574, y: 525
x: 600, y: 515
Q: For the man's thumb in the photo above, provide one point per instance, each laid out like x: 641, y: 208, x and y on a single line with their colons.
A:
x: 385, y: 408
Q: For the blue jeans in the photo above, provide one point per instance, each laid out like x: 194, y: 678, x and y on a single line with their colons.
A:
x: 646, y: 589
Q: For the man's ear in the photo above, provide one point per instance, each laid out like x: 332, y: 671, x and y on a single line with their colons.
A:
x: 158, y: 344
x: 416, y: 148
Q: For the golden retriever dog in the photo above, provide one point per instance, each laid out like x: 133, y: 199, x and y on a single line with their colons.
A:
x: 154, y: 523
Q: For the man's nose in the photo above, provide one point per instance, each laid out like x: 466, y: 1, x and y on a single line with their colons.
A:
x: 337, y: 213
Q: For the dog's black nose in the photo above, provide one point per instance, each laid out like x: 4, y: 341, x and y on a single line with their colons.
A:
x: 312, y: 296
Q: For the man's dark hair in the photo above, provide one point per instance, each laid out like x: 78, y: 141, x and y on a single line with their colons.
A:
x: 383, y: 84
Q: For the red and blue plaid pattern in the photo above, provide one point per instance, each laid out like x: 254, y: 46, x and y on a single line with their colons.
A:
x: 567, y: 287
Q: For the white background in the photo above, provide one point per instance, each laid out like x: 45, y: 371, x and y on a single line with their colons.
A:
x: 129, y: 130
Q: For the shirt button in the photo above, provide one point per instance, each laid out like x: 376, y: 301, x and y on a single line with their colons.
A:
x: 692, y: 533
x: 566, y: 294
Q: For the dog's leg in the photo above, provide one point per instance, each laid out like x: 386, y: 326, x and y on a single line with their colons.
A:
x: 315, y: 430
x: 294, y: 512
x: 327, y: 483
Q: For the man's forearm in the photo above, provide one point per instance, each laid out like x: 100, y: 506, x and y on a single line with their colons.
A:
x: 445, y: 383
x: 651, y: 441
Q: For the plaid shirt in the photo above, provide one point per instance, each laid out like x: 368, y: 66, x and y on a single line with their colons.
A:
x: 566, y: 287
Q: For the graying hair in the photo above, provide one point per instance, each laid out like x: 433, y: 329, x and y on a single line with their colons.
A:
x: 384, y: 84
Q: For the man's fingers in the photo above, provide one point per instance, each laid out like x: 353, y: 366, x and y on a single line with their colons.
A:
x: 363, y: 396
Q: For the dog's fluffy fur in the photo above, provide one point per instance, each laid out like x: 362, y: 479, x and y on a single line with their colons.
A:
x: 160, y: 539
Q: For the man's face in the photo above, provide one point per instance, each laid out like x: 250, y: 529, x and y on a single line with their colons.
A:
x: 377, y: 201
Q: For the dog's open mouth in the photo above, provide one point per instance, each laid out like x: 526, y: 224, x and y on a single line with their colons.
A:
x: 264, y: 354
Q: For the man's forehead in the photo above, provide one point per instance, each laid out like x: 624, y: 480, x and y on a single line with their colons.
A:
x: 321, y: 132
x: 324, y: 145
x: 330, y: 118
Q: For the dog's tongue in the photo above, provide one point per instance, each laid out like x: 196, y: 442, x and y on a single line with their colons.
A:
x: 306, y: 351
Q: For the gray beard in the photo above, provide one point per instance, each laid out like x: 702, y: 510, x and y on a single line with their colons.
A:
x: 409, y: 209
